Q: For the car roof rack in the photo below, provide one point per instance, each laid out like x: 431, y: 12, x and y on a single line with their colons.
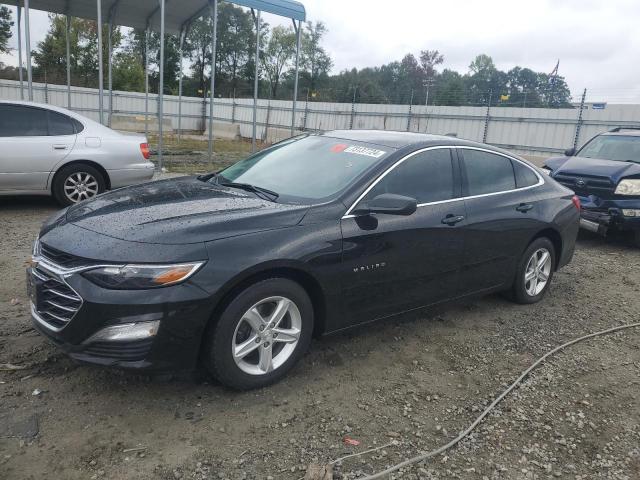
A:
x: 617, y: 129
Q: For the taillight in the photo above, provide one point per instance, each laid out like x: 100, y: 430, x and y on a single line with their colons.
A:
x: 144, y: 148
x: 576, y: 202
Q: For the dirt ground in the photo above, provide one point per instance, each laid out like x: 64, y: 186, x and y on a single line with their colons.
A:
x: 415, y: 380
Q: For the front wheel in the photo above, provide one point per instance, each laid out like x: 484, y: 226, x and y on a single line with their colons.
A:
x: 261, y: 334
x: 535, y: 272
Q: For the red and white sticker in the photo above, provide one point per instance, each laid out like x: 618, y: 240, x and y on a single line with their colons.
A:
x: 369, y: 152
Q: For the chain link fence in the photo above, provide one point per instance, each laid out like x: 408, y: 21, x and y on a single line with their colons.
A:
x: 525, y: 130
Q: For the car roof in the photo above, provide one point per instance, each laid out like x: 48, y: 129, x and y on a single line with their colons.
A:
x: 395, y: 139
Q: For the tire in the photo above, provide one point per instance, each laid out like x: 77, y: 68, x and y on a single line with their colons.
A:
x: 528, y: 285
x: 89, y: 180
x: 238, y: 325
x: 636, y: 238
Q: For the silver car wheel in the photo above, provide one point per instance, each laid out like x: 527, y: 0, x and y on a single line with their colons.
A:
x: 266, y: 335
x: 80, y: 186
x: 536, y: 275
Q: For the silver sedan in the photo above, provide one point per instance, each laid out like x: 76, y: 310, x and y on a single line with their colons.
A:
x: 47, y: 150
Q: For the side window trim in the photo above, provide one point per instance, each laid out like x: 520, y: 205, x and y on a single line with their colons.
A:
x: 457, y: 168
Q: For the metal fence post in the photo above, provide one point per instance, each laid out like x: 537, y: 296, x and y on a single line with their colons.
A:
x: 576, y: 138
x: 353, y: 108
x: 409, y: 113
x: 306, y: 112
x: 265, y: 134
x: 487, y: 118
x: 233, y: 107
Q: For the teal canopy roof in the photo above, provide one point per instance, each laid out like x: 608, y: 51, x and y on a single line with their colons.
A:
x: 140, y: 13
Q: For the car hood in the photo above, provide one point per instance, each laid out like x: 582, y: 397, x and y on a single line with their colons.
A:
x: 576, y: 166
x: 179, y: 211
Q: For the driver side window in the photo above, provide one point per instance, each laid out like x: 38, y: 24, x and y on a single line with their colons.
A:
x: 426, y: 176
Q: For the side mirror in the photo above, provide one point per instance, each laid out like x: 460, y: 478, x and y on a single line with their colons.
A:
x: 570, y: 152
x: 389, y: 203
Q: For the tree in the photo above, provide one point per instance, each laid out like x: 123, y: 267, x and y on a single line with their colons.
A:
x: 429, y: 59
x: 449, y: 89
x: 236, y: 46
x: 128, y: 74
x: 315, y: 61
x: 277, y: 55
x: 5, y: 29
x: 50, y: 56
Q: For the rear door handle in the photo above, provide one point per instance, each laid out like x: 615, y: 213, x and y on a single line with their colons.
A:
x: 452, y: 219
x: 59, y: 147
x: 524, y: 207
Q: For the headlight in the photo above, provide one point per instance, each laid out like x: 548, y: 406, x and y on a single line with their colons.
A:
x: 628, y: 187
x: 546, y: 170
x: 134, y: 277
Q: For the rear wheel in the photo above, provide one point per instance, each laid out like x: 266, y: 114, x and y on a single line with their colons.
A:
x: 636, y: 238
x: 77, y: 182
x: 260, y: 335
x: 535, y: 272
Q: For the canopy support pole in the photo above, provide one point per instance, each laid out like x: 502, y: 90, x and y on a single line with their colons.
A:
x: 161, y: 87
x: 109, y: 69
x: 298, y: 30
x: 100, y: 66
x: 146, y: 82
x: 20, y: 52
x: 183, y: 34
x: 68, y: 46
x: 27, y: 34
x: 255, y: 85
x: 213, y: 10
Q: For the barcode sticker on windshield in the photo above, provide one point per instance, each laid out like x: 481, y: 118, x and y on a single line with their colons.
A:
x: 369, y: 152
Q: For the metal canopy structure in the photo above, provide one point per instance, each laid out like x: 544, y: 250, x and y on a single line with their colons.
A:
x: 163, y: 16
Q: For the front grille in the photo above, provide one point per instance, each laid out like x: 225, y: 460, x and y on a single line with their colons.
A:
x: 55, y: 302
x: 61, y: 258
x: 585, y: 185
x: 123, y: 351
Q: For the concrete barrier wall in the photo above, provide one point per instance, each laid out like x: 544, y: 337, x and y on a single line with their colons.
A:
x: 528, y: 131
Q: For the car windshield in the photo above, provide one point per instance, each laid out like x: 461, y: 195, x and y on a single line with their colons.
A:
x: 308, y: 168
x: 623, y: 148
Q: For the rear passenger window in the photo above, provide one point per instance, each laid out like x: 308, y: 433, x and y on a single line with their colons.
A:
x: 487, y: 172
x: 426, y: 176
x: 21, y: 121
x: 524, y: 175
x: 60, y: 124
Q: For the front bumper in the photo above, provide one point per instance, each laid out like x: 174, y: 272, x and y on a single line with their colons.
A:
x: 180, y: 314
x: 601, y: 221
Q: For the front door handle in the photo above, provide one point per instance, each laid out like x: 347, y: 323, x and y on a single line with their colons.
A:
x: 59, y: 147
x: 524, y: 207
x: 452, y: 219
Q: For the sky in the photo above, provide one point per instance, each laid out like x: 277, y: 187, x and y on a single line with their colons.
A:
x: 596, y: 41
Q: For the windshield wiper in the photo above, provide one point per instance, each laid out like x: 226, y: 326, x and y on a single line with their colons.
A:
x: 263, y: 192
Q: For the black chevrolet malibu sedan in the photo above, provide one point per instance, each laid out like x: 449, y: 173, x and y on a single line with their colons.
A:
x: 237, y: 270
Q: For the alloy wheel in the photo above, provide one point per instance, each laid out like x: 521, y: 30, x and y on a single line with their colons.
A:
x: 536, y: 275
x: 80, y: 186
x: 266, y: 335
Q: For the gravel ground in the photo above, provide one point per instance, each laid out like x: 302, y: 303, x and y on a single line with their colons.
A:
x: 414, y: 380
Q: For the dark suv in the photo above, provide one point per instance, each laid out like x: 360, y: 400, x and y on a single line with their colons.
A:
x: 605, y: 174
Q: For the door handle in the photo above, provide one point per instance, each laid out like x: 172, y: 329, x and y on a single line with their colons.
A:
x: 524, y: 207
x: 59, y: 147
x: 452, y: 219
